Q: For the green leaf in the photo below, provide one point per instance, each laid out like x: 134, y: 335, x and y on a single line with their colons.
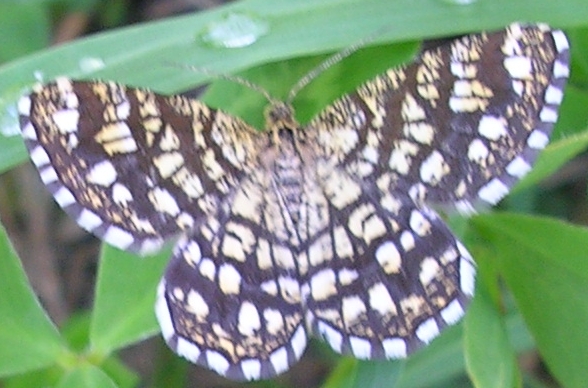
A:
x: 87, y: 376
x: 24, y: 28
x: 125, y: 298
x: 352, y: 373
x: 579, y: 41
x: 311, y: 22
x: 343, y: 376
x: 77, y: 330
x: 47, y: 377
x: 552, y: 158
x: 27, y: 336
x: 545, y: 264
x: 490, y: 358
x: 440, y: 361
x: 573, y: 116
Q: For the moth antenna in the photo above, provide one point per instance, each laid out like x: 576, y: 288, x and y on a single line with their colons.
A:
x: 330, y: 61
x: 227, y: 77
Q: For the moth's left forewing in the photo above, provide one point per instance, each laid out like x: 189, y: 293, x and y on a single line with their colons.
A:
x: 134, y: 167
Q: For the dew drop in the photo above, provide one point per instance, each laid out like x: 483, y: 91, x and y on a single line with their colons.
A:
x: 91, y: 64
x: 459, y: 2
x: 9, y: 125
x: 235, y: 30
x: 39, y: 76
x: 9, y: 118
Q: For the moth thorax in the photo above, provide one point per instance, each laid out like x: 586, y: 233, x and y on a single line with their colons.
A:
x: 279, y: 115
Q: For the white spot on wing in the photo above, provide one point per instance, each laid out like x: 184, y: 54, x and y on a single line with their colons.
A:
x: 187, y: 349
x: 28, y: 132
x: 452, y: 313
x: 493, y: 191
x: 477, y: 151
x: 48, y: 175
x: 352, y: 307
x: 467, y: 271
x: 192, y: 254
x: 39, y: 157
x: 123, y: 110
x: 150, y: 245
x: 196, y: 305
x: 118, y: 237
x: 518, y: 67
x: 561, y: 70
x: 67, y: 120
x: 407, y: 241
x: 163, y: 201
x: 561, y: 42
x: 279, y: 360
x: 298, y: 341
x: 537, y: 139
x: 251, y: 369
x: 89, y: 220
x: 360, y: 347
x: 548, y: 115
x: 434, y: 168
x: 492, y: 128
x: 347, y: 276
x: 518, y: 167
x: 162, y: 312
x: 389, y: 258
x: 121, y: 194
x: 394, y: 347
x: 64, y: 197
x: 229, y: 280
x: 248, y: 322
x: 419, y: 224
x: 322, y: 284
x: 207, y: 268
x: 217, y: 362
x: 24, y: 105
x: 427, y: 330
x: 380, y: 300
x: 553, y: 95
x: 102, y: 174
x: 429, y: 270
x: 332, y: 336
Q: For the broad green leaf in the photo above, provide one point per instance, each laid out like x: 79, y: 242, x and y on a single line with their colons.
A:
x: 296, y: 28
x: 352, y: 373
x: 545, y: 264
x: 86, y: 376
x: 579, y: 41
x: 46, y: 377
x: 573, y: 115
x: 344, y: 374
x: 28, y: 338
x: 120, y: 373
x: 24, y: 28
x: 125, y: 298
x: 489, y: 356
x: 378, y: 374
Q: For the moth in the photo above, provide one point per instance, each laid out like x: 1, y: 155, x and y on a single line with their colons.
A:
x: 327, y: 229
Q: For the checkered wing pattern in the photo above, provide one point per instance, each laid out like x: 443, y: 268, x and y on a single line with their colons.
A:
x: 324, y: 230
x: 128, y: 165
x: 457, y: 127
